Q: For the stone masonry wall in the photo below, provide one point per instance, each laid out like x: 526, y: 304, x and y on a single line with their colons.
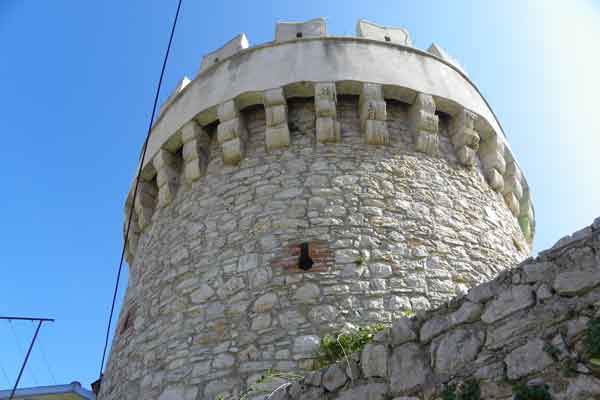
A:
x: 528, y: 326
x: 215, y: 294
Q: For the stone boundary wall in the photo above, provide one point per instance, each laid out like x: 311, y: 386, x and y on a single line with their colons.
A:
x: 527, y: 326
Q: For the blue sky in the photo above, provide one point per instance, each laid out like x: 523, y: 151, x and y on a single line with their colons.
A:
x: 77, y: 81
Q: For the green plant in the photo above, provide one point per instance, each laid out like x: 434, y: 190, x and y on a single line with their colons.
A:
x: 469, y: 390
x: 524, y: 392
x: 407, y: 313
x: 334, y: 347
x: 552, y: 351
x: 361, y: 260
x: 268, y: 376
x: 592, y: 337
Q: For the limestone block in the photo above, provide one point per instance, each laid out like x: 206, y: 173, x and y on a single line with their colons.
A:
x: 509, y: 301
x: 277, y: 133
x: 373, y: 360
x: 167, y: 176
x: 456, y: 349
x: 466, y: 156
x: 468, y: 312
x: 334, y: 378
x: 325, y: 91
x: 494, y: 179
x: 145, y: 203
x: 570, y: 283
x: 277, y: 137
x: 328, y: 130
x: 373, y: 110
x: 196, y: 143
x: 233, y: 151
x: 273, y: 97
x: 424, y: 123
x: 527, y: 359
x: 369, y: 30
x: 512, y: 203
x: 240, y: 42
x: 285, y: 31
x: 228, y: 110
x: 427, y: 143
x: 276, y: 115
x: 409, y: 369
x: 373, y: 114
x: 325, y: 108
x: 376, y: 132
x: 464, y: 136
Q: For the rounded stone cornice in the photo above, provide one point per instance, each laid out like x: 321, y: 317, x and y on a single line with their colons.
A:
x: 296, y: 65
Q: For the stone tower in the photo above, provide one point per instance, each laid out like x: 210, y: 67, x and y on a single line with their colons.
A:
x: 302, y: 186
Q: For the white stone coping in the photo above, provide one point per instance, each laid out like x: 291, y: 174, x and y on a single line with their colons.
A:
x: 297, y: 65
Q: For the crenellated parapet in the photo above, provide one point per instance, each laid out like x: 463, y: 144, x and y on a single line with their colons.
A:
x: 310, y: 64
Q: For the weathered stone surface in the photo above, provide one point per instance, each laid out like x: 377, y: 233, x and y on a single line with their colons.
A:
x: 509, y: 301
x: 584, y: 387
x: 334, y: 378
x: 539, y: 272
x: 308, y: 293
x: 456, y: 349
x: 371, y: 391
x: 403, y: 331
x: 373, y: 360
x: 409, y: 369
x: 306, y: 345
x: 466, y: 313
x: 527, y: 359
x: 574, y: 282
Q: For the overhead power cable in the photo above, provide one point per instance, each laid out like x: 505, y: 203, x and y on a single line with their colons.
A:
x: 45, y: 360
x: 137, y: 181
x: 20, y: 346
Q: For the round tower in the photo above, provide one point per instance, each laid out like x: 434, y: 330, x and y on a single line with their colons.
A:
x: 303, y: 186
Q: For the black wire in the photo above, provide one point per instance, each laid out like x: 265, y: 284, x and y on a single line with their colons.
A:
x: 137, y: 181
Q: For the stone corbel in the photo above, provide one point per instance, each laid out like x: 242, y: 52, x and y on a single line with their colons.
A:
x: 277, y: 134
x: 145, y: 203
x: 196, y: 143
x: 513, y: 191
x: 464, y: 136
x: 373, y: 114
x: 526, y: 215
x: 231, y: 132
x: 327, y: 126
x: 425, y: 124
x: 491, y: 154
x: 167, y: 176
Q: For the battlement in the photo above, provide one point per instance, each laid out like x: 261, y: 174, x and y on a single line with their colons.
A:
x: 235, y: 78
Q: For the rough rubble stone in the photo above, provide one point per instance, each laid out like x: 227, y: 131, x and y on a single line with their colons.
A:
x: 509, y: 301
x: 527, y: 359
x: 574, y: 282
x: 467, y: 312
x: 334, y: 378
x: 409, y: 368
x: 456, y: 349
x: 374, y: 360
